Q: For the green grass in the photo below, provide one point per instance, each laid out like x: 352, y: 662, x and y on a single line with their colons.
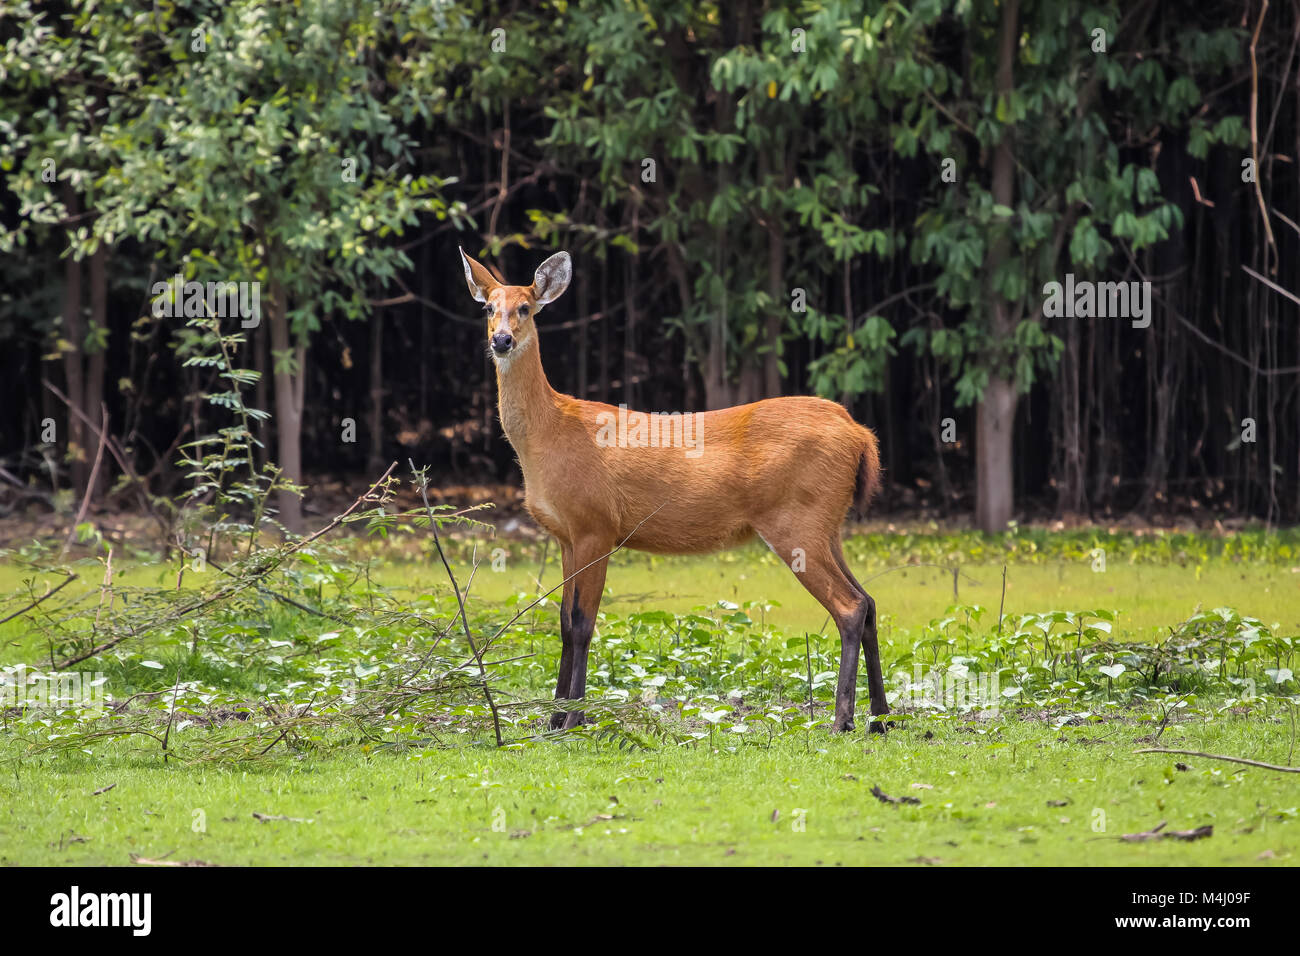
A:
x: 701, y: 794
x: 1149, y: 597
x: 987, y: 803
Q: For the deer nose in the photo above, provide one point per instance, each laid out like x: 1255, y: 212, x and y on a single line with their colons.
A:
x: 502, y: 342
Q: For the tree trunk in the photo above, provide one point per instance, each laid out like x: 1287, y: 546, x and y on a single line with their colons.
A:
x: 74, y: 332
x: 1069, y: 490
x: 288, y: 407
x: 996, y: 415
x: 584, y: 332
x: 777, y: 287
x: 257, y: 341
x: 750, y: 387
x: 93, y: 397
x: 718, y: 389
x: 631, y: 359
x: 605, y: 322
x: 994, y: 420
x: 375, y: 459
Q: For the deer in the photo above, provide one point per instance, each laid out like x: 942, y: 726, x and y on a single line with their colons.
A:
x: 784, y: 469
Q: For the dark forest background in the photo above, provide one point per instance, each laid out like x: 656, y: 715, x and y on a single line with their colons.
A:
x: 860, y: 200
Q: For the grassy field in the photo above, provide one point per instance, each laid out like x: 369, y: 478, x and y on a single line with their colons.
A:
x: 987, y: 792
x: 704, y: 753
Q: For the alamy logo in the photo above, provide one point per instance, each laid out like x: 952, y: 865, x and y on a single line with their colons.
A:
x: 624, y: 429
x: 75, y: 908
x: 1099, y: 300
x: 954, y: 688
x: 177, y: 298
x: 20, y: 687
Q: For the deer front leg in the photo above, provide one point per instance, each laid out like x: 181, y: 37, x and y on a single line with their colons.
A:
x: 566, y: 634
x: 590, y: 562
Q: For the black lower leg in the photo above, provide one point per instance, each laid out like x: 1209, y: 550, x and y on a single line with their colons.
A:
x: 566, y: 666
x: 875, y: 678
x: 581, y: 630
x: 846, y: 688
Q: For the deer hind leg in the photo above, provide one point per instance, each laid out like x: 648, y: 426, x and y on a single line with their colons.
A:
x: 870, y: 647
x: 819, y: 566
x: 590, y: 561
x: 567, y: 568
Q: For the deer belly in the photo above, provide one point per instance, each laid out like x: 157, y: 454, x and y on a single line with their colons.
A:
x: 679, y: 528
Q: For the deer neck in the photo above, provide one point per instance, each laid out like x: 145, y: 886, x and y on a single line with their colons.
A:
x: 526, y: 403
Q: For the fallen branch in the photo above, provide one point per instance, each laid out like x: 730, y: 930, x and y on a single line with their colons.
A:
x: 269, y: 818
x: 145, y: 861
x: 1158, y: 832
x: 1197, y: 753
x: 886, y: 798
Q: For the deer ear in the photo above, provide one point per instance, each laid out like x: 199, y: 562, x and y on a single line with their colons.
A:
x: 477, y: 277
x: 552, y: 278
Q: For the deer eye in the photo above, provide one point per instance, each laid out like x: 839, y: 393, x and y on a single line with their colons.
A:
x: 487, y: 308
x: 523, y: 311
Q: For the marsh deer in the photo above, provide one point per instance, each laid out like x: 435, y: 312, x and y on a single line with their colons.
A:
x: 597, y: 477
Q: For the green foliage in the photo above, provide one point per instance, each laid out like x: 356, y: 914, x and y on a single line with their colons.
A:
x: 343, y: 661
x: 771, y: 177
x: 729, y: 178
x: 229, y: 497
x: 1069, y: 169
x: 238, y: 141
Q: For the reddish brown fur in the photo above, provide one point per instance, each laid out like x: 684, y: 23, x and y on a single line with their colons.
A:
x: 787, y: 469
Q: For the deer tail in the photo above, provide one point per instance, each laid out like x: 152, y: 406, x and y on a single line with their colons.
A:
x: 868, y: 479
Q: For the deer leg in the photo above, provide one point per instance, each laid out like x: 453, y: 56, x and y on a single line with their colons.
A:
x: 590, y: 563
x: 814, y: 564
x: 870, y: 647
x: 846, y: 685
x: 875, y: 679
x: 566, y: 634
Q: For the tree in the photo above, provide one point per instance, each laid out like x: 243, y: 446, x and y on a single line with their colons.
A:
x: 717, y: 188
x: 261, y: 144
x: 1055, y: 181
